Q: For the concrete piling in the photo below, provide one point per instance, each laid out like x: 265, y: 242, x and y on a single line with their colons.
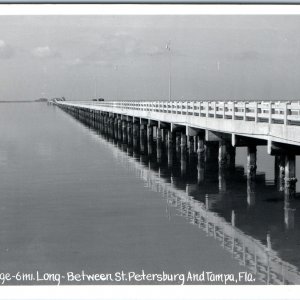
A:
x: 290, y: 174
x: 158, y: 143
x: 251, y: 162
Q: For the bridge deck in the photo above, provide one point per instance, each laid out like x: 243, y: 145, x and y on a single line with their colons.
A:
x: 270, y: 121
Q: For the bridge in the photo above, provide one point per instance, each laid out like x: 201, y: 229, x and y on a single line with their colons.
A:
x: 206, y: 128
x: 259, y: 258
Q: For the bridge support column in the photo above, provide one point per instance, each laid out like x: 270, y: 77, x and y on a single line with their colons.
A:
x: 290, y: 174
x: 98, y: 115
x: 115, y: 127
x: 103, y: 122
x: 177, y: 143
x: 251, y: 162
x: 149, y: 133
x: 163, y: 134
x: 109, y: 127
x: 106, y: 125
x: 226, y: 155
x: 124, y: 131
x: 112, y: 127
x: 158, y: 143
x: 119, y: 129
x: 100, y: 120
x: 170, y: 139
x: 231, y: 152
x: 183, y: 153
x: 183, y: 144
x: 170, y: 157
x: 150, y: 138
x: 150, y: 147
x: 129, y: 133
x: 200, y: 159
x: 200, y: 149
x: 222, y: 153
x: 142, y: 137
x: 136, y: 131
x: 190, y: 144
x: 211, y: 151
x: 195, y: 143
x: 170, y: 143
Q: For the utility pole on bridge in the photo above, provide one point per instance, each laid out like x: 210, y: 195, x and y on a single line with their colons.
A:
x: 168, y: 47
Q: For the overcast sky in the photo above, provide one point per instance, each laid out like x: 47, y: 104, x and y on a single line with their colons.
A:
x: 125, y: 57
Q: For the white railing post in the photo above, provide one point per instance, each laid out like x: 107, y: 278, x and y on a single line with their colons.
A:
x: 200, y: 108
x: 270, y: 112
x: 207, y: 108
x: 233, y: 110
x: 285, y: 121
x: 245, y: 111
x: 224, y: 110
x: 256, y: 112
x: 215, y: 109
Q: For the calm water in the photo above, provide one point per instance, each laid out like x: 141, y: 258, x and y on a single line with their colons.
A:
x: 73, y: 200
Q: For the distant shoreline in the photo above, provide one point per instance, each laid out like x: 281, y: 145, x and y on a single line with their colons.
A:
x: 16, y: 101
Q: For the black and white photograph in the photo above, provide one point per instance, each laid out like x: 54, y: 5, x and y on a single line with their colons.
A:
x: 149, y: 149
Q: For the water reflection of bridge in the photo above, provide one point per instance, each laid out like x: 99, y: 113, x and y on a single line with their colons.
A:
x: 261, y: 260
x: 250, y: 252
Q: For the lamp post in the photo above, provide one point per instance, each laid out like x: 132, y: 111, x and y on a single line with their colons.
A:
x: 168, y: 47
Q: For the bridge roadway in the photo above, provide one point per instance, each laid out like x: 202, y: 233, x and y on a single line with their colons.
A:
x: 201, y: 125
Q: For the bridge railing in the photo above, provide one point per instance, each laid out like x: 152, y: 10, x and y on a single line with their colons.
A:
x: 283, y: 112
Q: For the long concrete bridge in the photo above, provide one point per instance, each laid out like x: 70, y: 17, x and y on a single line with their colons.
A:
x: 206, y: 128
x: 129, y: 131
